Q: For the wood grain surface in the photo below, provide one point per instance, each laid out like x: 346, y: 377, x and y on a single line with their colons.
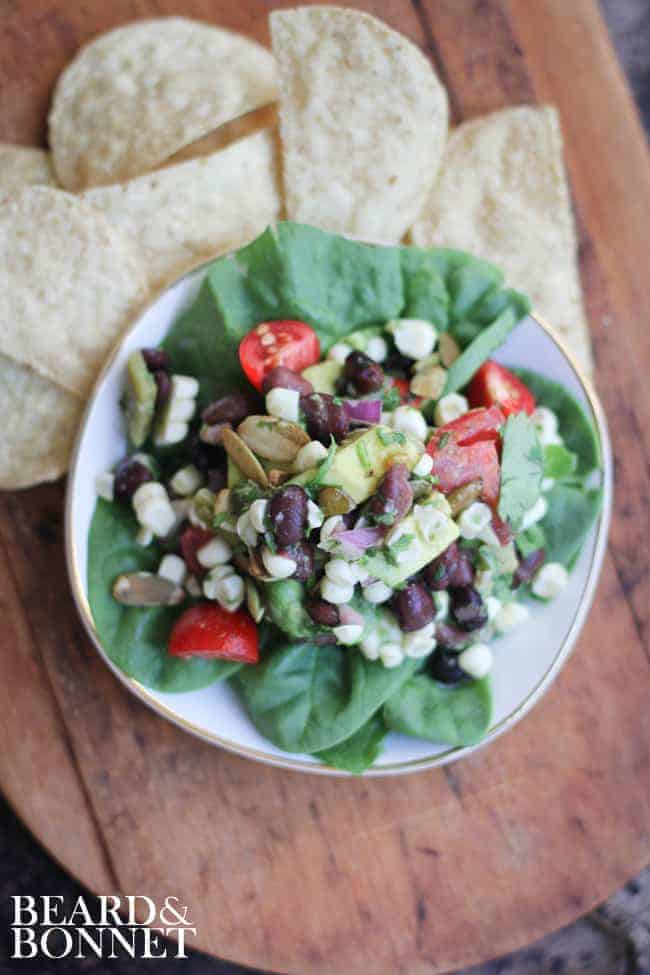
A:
x: 418, y: 874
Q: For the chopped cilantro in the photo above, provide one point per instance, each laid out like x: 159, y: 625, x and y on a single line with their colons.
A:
x: 362, y: 454
x: 220, y: 518
x: 323, y: 468
x: 244, y: 493
x: 269, y: 538
x: 387, y: 437
x: 386, y: 518
x: 400, y: 545
x: 391, y: 398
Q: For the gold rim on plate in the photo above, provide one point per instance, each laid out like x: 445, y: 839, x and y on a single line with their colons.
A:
x: 315, y: 768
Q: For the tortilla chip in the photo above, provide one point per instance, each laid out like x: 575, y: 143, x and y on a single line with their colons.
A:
x: 181, y: 215
x: 69, y: 285
x: 503, y: 195
x: 363, y: 121
x: 22, y: 166
x: 136, y: 95
x: 39, y: 423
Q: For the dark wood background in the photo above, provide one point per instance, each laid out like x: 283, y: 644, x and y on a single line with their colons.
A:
x: 486, y: 65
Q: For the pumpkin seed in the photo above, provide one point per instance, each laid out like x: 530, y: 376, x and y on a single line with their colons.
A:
x: 429, y: 383
x: 146, y: 589
x: 448, y: 348
x: 333, y: 501
x: 244, y: 458
x: 274, y: 439
x: 461, y: 497
x: 254, y: 601
x: 256, y: 567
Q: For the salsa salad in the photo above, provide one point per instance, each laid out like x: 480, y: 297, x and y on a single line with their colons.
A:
x: 335, y: 498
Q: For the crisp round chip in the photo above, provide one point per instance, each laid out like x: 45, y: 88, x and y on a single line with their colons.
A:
x: 39, y: 423
x: 136, y: 95
x: 22, y: 166
x: 69, y: 285
x: 184, y: 214
x: 363, y: 121
x: 503, y: 195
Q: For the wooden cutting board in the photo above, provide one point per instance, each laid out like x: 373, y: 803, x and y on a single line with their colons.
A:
x: 413, y: 875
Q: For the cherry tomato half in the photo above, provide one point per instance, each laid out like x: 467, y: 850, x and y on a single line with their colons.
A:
x: 192, y: 539
x: 210, y: 632
x: 455, y: 466
x: 472, y: 427
x: 283, y: 343
x: 493, y: 384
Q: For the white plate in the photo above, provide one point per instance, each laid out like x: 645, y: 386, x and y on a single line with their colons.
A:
x: 526, y: 662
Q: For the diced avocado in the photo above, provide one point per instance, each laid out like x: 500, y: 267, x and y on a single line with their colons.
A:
x: 141, y: 393
x: 359, y: 339
x: 324, y: 376
x: 414, y: 548
x: 362, y: 460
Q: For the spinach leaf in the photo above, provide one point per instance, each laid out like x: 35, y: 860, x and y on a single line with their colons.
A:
x: 480, y: 349
x: 456, y: 291
x: 576, y: 429
x: 358, y: 752
x: 447, y: 715
x: 559, y: 463
x: 521, y: 469
x: 308, y: 698
x: 135, y: 639
x: 571, y: 513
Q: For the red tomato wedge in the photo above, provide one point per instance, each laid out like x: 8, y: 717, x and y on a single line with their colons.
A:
x: 472, y: 427
x: 211, y: 632
x: 454, y: 466
x: 192, y: 539
x: 282, y: 343
x: 493, y: 384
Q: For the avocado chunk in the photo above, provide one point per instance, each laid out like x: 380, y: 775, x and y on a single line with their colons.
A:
x: 286, y: 607
x: 141, y: 393
x: 359, y: 339
x: 362, y: 460
x: 324, y: 376
x: 420, y: 539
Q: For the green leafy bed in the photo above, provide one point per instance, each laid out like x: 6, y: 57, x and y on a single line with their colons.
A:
x: 325, y: 700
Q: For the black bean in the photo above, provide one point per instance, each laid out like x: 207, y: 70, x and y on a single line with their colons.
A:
x: 322, y: 612
x: 163, y: 387
x: 288, y: 515
x: 206, y: 456
x: 413, y: 606
x: 528, y: 567
x: 452, y: 568
x: 393, y: 498
x: 397, y: 364
x: 443, y: 666
x: 303, y: 555
x: 286, y: 379
x: 325, y: 417
x: 232, y: 408
x: 361, y: 374
x: 450, y: 637
x: 217, y: 479
x: 156, y: 359
x: 467, y: 608
x: 129, y: 475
